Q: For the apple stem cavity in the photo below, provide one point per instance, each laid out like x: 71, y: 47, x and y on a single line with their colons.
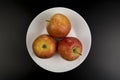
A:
x: 74, y: 50
x: 44, y: 46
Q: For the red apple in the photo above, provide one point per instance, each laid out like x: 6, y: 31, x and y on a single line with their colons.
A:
x: 44, y: 46
x: 70, y: 48
x: 59, y: 26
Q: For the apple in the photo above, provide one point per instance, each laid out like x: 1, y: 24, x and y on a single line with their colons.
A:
x: 58, y: 26
x: 44, y: 46
x: 70, y: 48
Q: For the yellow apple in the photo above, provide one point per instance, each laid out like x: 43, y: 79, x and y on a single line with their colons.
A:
x: 44, y: 46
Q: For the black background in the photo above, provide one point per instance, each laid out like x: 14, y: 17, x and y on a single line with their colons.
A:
x: 102, y: 63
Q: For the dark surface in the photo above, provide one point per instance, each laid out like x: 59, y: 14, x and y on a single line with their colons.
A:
x: 102, y: 63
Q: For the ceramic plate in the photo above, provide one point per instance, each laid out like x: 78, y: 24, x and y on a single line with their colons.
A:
x: 79, y: 29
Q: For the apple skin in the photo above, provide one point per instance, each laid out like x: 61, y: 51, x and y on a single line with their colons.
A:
x: 58, y: 26
x: 70, y: 48
x: 44, y: 46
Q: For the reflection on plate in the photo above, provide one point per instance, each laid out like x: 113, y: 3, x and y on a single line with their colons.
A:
x: 79, y: 29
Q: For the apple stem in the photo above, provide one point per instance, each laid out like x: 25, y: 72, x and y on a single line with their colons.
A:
x: 47, y: 20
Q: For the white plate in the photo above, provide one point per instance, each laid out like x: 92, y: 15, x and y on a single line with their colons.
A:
x: 79, y: 29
